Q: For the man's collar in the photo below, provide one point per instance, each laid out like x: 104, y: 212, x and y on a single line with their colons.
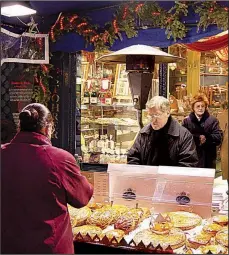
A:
x: 173, y: 128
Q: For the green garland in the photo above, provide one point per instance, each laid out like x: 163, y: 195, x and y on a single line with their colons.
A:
x: 148, y: 15
x: 41, y: 91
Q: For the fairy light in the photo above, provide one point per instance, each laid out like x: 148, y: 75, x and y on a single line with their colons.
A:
x: 138, y: 7
x: 115, y: 26
x: 42, y: 86
x: 156, y: 13
x: 45, y: 68
x: 94, y: 38
x: 74, y: 17
x: 124, y: 13
x: 62, y: 23
x: 82, y: 24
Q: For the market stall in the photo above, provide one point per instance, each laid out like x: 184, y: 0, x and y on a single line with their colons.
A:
x: 167, y: 216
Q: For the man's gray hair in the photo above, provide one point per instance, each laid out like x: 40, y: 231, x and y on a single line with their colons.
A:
x: 159, y: 102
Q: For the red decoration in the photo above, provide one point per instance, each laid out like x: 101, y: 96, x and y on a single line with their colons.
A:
x: 42, y: 86
x: 52, y: 33
x: 156, y: 13
x: 45, y: 68
x: 211, y: 10
x: 124, y: 13
x: 105, y: 36
x: 115, y: 26
x: 94, y: 38
x: 82, y: 24
x: 138, y: 7
x: 216, y: 43
x: 226, y: 8
x: 74, y: 17
x: 61, y: 23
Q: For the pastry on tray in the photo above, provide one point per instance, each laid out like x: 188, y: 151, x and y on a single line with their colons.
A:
x: 222, y: 237
x: 87, y: 229
x: 214, y: 249
x: 175, y: 238
x: 78, y: 217
x: 212, y: 228
x: 121, y: 208
x: 101, y: 218
x: 221, y: 220
x: 161, y: 228
x: 125, y: 222
x: 94, y: 206
x: 183, y: 220
x: 117, y: 233
x: 135, y: 214
x: 146, y: 212
x: 198, y: 240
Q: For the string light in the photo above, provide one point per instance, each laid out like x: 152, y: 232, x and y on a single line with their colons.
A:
x: 82, y: 24
x: 94, y: 38
x: 124, y: 13
x: 115, y: 26
x: 61, y: 23
x: 156, y: 13
x: 138, y: 7
x: 74, y: 17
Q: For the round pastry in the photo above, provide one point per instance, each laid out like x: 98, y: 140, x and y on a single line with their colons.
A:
x: 214, y: 249
x: 183, y: 220
x: 198, y: 240
x: 126, y: 223
x: 87, y: 229
x: 101, y: 218
x: 221, y: 220
x: 117, y: 233
x: 79, y: 215
x: 222, y: 237
x: 94, y: 206
x: 161, y: 228
x: 175, y: 239
x: 120, y: 208
x: 135, y: 214
x: 212, y: 228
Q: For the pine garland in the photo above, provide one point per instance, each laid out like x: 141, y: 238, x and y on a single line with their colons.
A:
x: 131, y: 17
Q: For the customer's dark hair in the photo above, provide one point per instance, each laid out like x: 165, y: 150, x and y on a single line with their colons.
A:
x: 34, y: 117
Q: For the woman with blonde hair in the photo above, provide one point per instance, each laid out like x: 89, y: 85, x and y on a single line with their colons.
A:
x: 205, y: 130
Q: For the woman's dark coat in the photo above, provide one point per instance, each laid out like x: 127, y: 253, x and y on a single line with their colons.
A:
x: 209, y: 127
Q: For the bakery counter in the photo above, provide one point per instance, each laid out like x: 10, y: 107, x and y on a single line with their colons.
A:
x: 104, y: 228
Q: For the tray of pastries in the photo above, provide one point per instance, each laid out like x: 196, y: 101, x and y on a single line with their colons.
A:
x: 184, y: 232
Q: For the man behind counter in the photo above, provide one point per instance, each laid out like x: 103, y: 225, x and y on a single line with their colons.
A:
x: 164, y: 141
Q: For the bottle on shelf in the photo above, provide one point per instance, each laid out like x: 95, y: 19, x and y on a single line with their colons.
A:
x: 86, y: 97
x: 94, y: 97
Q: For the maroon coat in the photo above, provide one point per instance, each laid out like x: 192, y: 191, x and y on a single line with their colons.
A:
x: 37, y: 182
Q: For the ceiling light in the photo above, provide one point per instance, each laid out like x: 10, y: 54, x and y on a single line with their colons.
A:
x: 16, y: 10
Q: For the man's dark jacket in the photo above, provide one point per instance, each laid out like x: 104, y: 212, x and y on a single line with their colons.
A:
x: 209, y: 127
x: 172, y: 145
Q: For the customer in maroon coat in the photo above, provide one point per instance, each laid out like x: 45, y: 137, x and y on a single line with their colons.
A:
x: 38, y: 180
x: 205, y: 130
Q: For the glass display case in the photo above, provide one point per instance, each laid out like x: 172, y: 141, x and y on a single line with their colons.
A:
x: 108, y: 118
